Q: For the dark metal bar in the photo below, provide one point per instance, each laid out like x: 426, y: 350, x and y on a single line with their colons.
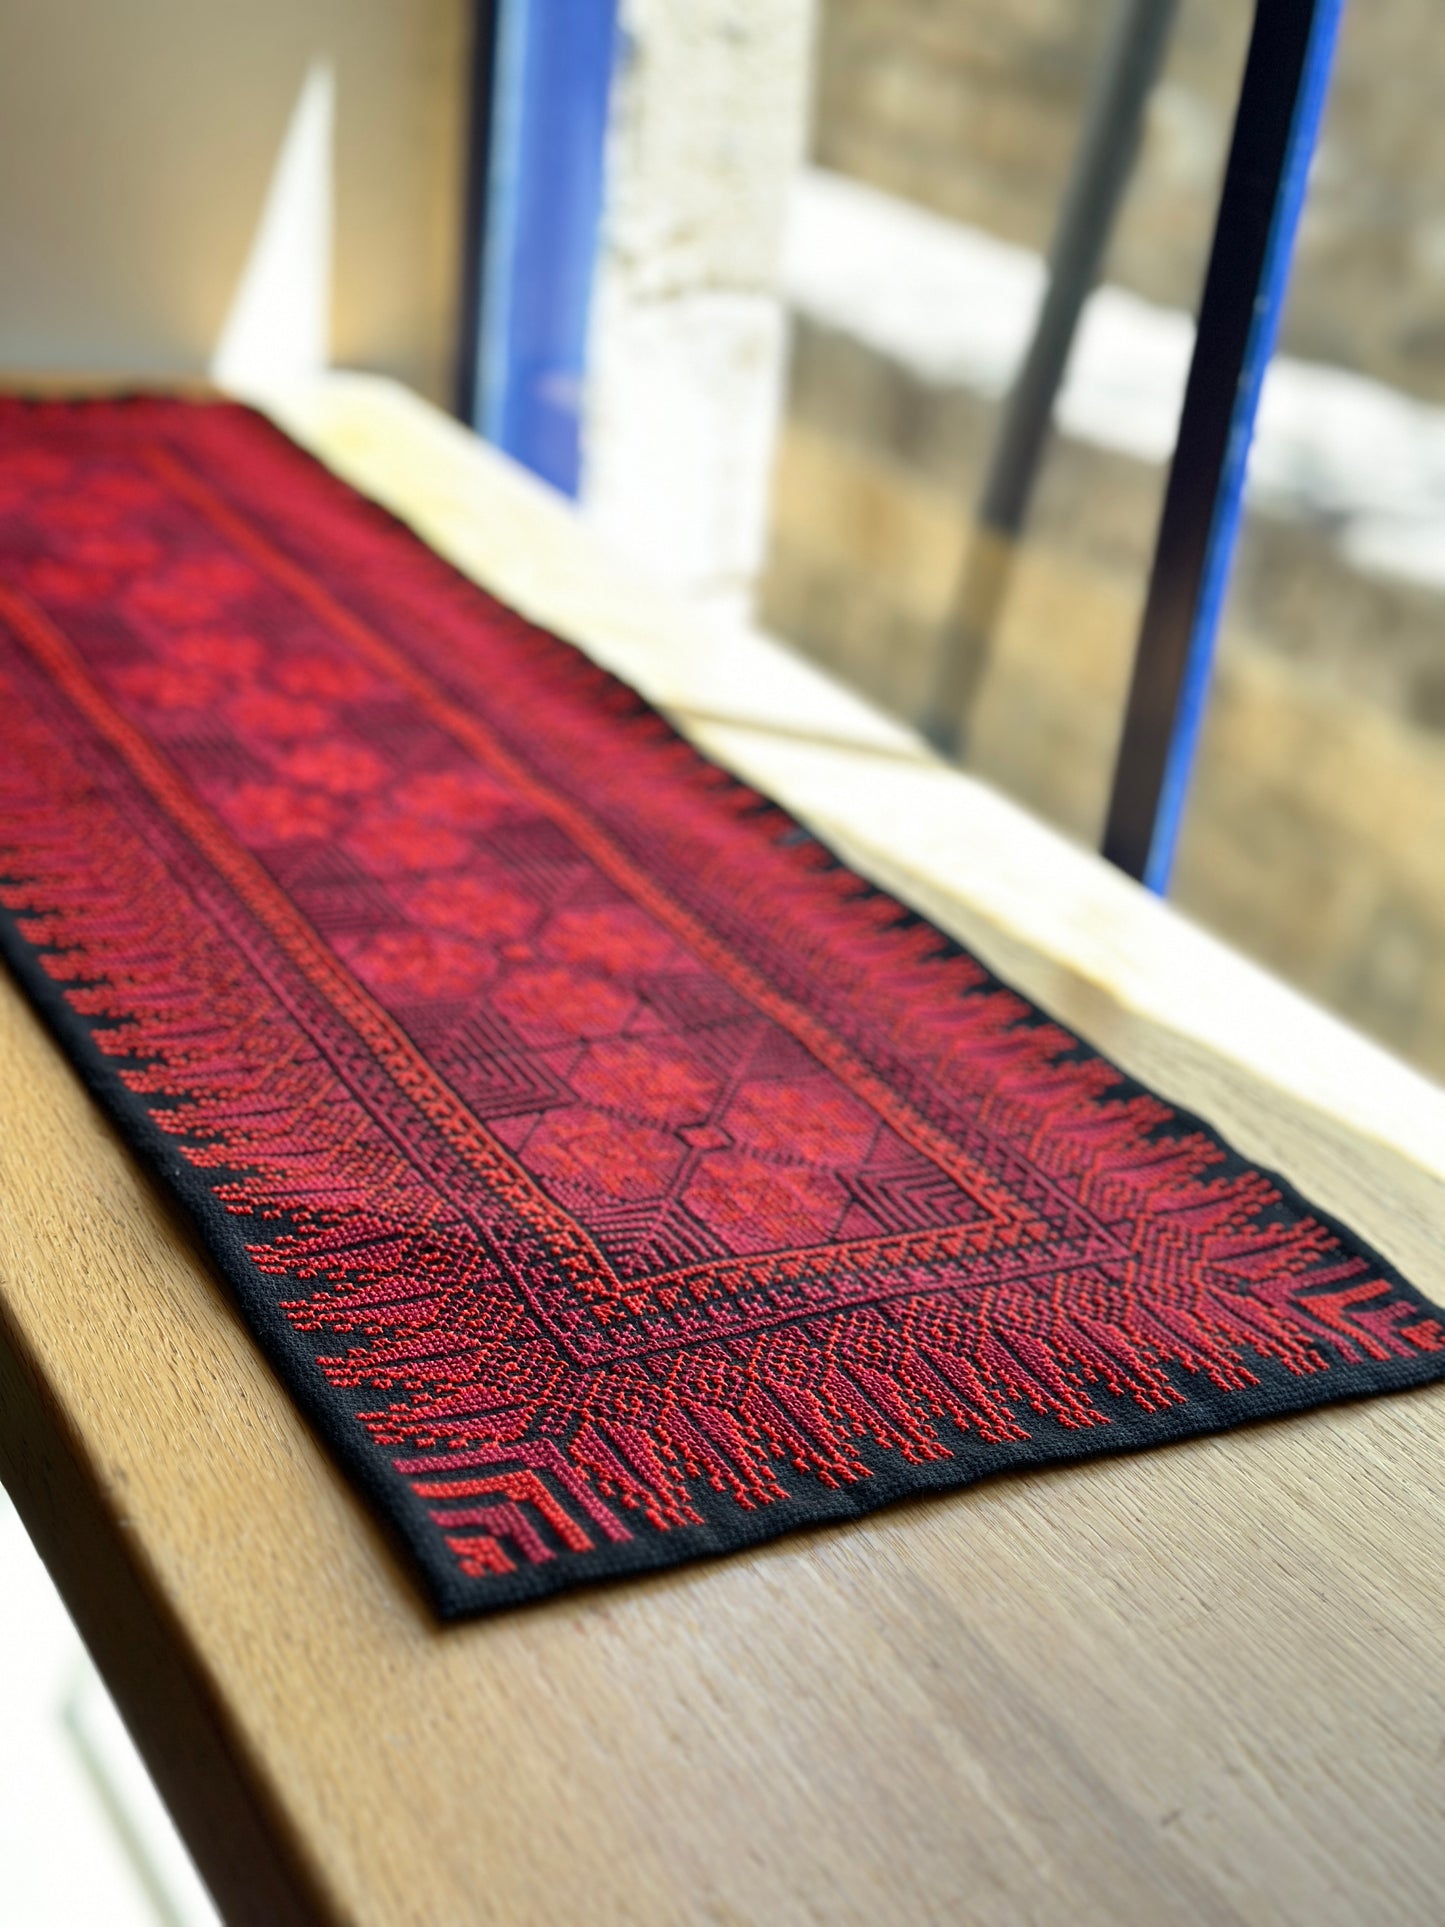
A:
x: 1102, y: 166
x: 1282, y: 98
x: 480, y: 93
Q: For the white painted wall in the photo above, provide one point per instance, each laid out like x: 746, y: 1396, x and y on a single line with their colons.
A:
x: 140, y: 142
x: 688, y: 339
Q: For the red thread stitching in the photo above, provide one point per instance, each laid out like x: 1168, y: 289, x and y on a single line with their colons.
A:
x: 1120, y: 1252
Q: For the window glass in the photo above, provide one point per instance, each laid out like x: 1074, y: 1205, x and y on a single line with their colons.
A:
x: 943, y: 139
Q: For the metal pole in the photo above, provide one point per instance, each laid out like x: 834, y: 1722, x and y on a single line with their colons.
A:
x: 1102, y: 166
x: 474, y: 208
x: 1280, y: 103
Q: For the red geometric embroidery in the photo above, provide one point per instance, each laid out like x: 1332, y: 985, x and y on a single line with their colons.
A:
x: 611, y: 1174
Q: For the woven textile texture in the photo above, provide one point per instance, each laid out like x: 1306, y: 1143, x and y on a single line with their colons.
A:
x: 612, y: 1176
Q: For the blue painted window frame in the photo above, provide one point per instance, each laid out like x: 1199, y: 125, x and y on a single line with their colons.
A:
x: 542, y: 84
x: 1281, y: 103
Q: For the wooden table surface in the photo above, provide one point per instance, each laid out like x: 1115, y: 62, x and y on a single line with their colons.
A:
x: 1205, y: 1684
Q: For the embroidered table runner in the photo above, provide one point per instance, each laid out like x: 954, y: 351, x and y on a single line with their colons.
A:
x: 611, y: 1175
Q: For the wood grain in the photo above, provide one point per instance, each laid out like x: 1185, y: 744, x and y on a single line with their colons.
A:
x: 1198, y: 1685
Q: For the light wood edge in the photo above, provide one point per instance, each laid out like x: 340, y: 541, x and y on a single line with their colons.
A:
x: 887, y: 1529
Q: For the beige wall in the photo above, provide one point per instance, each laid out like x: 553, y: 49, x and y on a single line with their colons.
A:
x: 138, y: 140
